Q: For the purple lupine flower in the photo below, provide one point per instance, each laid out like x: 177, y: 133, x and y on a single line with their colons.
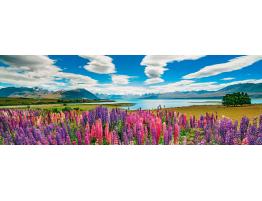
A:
x: 252, y: 135
x: 207, y: 132
x: 243, y: 127
x: 79, y: 137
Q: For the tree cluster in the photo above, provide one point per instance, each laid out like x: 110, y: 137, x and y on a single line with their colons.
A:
x: 236, y: 99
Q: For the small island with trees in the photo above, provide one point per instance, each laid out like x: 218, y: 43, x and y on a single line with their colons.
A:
x: 236, y: 99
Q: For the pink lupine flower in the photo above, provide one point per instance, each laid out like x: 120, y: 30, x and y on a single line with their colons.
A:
x: 176, y: 133
x: 245, y: 141
x: 99, y: 131
x: 158, y: 129
x: 108, y: 134
x: 79, y: 137
x: 185, y: 140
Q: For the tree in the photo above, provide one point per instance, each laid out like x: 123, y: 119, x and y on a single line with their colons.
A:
x: 236, y: 99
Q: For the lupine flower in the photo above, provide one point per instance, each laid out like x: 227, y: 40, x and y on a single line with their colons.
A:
x: 176, y: 133
x: 116, y: 126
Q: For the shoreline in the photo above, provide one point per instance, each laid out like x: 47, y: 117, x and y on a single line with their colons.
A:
x: 236, y: 113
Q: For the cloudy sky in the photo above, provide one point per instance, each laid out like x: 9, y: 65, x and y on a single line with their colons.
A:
x: 129, y: 74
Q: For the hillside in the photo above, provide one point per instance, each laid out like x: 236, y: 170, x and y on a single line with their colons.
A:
x: 25, y: 92
x: 78, y: 94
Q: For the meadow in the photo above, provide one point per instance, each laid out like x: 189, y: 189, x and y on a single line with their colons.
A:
x: 19, y: 101
x: 104, y: 126
x: 234, y: 113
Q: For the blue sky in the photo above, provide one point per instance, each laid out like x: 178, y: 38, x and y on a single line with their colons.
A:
x: 130, y: 74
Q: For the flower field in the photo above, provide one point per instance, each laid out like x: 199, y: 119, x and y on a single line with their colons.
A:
x: 102, y: 126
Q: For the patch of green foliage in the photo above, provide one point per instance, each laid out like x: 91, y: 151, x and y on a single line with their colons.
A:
x: 236, y: 99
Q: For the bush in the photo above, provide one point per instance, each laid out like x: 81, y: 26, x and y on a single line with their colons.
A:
x: 66, y: 109
x: 55, y: 110
x: 236, y: 99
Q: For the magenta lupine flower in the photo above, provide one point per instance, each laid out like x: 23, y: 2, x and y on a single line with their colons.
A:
x: 192, y: 123
x: 121, y: 127
x: 153, y: 133
x: 170, y: 133
x: 165, y: 132
x: 79, y: 137
x: 176, y: 133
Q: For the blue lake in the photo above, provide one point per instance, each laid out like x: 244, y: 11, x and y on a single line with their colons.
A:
x: 154, y: 103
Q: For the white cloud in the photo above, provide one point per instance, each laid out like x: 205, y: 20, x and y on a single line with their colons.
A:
x: 156, y: 65
x: 154, y: 80
x: 190, y: 85
x: 253, y: 81
x: 112, y: 89
x: 228, y: 78
x: 40, y: 71
x: 232, y: 65
x: 180, y: 86
x: 99, y: 64
x: 120, y: 79
x: 77, y: 80
x: 154, y: 72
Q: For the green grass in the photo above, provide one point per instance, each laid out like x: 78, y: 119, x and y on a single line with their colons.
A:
x: 25, y: 101
x: 60, y: 107
x: 6, y: 101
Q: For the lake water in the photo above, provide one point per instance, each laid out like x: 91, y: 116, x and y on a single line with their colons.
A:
x: 154, y: 103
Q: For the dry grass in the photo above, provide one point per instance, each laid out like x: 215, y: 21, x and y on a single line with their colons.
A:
x: 235, y: 113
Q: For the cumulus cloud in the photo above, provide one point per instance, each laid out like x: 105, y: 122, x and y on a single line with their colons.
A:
x: 154, y: 80
x: 154, y: 72
x: 232, y: 65
x: 99, y: 64
x: 120, y: 79
x: 228, y: 78
x: 38, y: 71
x: 156, y: 65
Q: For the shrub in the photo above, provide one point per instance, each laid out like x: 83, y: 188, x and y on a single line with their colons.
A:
x: 66, y: 109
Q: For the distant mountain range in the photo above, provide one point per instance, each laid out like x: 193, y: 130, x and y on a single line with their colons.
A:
x: 42, y: 93
x: 254, y: 91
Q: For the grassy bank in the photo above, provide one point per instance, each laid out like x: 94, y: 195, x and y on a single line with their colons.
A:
x: 59, y: 107
x: 6, y: 101
x: 235, y: 113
